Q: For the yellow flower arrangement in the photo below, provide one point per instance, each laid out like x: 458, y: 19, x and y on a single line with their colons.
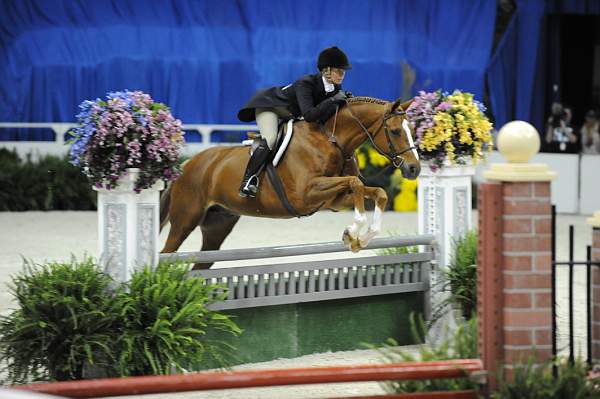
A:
x: 450, y: 127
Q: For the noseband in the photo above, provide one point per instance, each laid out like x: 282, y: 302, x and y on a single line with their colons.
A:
x: 394, y: 155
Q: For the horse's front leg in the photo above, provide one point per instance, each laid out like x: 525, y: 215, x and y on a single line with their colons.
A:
x: 380, y: 197
x: 323, y: 189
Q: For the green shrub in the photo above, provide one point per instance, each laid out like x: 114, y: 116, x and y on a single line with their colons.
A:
x: 71, y: 317
x: 538, y: 382
x: 462, y: 345
x: 49, y: 183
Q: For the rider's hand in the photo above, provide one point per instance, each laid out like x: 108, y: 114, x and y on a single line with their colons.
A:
x: 339, y: 98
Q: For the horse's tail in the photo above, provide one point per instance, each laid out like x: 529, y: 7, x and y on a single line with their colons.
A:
x: 165, y: 202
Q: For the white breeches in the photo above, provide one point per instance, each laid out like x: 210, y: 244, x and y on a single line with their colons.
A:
x: 267, y: 120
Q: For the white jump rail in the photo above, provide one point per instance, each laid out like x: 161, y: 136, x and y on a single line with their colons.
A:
x: 57, y: 146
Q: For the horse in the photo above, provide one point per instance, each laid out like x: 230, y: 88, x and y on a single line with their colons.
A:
x: 314, y: 173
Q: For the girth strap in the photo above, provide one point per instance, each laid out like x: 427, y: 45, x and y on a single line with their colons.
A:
x: 280, y: 191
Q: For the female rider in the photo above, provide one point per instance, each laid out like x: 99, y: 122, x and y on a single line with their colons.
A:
x: 314, y: 97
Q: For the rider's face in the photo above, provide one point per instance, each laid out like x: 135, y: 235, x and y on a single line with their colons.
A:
x: 334, y: 75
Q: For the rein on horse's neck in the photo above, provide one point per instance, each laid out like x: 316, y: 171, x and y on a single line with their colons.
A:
x: 348, y: 133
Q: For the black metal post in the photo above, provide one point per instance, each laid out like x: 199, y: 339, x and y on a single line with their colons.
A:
x: 553, y: 294
x: 589, y: 303
x: 571, y: 314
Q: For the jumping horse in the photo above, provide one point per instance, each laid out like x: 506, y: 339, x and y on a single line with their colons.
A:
x: 318, y: 171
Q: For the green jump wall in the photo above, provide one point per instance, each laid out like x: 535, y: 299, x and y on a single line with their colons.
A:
x: 287, y: 331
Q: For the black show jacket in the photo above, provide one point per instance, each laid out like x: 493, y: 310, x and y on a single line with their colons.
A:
x: 306, y: 97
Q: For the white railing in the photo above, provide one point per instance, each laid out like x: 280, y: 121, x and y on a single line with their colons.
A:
x: 57, y: 146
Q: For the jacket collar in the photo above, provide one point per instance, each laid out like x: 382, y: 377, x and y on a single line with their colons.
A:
x: 322, y: 85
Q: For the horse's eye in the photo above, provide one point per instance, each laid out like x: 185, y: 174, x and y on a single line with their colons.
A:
x: 396, y: 132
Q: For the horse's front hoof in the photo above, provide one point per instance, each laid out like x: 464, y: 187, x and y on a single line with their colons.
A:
x: 347, y: 238
x: 355, y: 246
x: 365, y: 239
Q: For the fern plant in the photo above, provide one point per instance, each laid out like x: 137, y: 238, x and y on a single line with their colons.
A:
x: 462, y: 345
x: 64, y: 318
x: 535, y: 381
x: 164, y: 320
x: 459, y: 279
x: 71, y: 318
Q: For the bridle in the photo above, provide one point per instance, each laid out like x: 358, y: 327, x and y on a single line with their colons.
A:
x: 394, y: 156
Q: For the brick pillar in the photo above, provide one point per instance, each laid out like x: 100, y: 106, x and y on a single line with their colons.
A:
x: 595, y: 223
x: 527, y: 271
x: 515, y: 280
x: 514, y: 255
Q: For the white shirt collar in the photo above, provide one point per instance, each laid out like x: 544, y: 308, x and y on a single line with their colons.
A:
x: 329, y: 87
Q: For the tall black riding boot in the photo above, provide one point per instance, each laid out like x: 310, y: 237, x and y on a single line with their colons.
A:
x: 249, y: 185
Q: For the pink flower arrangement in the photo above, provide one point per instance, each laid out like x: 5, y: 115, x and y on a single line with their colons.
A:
x: 127, y: 130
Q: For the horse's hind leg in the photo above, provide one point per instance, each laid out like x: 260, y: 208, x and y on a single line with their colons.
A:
x: 184, y: 214
x: 216, y: 226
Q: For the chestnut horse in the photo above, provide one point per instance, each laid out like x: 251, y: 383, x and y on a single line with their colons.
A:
x: 312, y: 172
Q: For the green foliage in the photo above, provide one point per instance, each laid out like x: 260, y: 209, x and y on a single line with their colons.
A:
x: 64, y: 318
x: 459, y: 279
x: 462, y: 345
x: 461, y: 275
x: 397, y: 251
x: 537, y: 382
x: 49, y: 183
x: 165, y: 318
x: 70, y: 316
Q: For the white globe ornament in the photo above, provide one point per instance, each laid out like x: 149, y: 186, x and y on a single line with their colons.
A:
x: 518, y: 141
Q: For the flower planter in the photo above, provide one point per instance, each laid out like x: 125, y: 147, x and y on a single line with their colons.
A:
x: 128, y: 226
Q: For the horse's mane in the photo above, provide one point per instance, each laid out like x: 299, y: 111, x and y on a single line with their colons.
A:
x: 372, y: 100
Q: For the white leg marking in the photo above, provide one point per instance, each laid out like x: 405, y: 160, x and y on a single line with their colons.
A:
x: 374, y: 229
x: 360, y: 220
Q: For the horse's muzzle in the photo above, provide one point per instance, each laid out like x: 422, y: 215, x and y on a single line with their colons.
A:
x: 411, y: 171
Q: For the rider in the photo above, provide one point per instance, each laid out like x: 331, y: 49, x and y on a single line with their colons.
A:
x: 313, y: 97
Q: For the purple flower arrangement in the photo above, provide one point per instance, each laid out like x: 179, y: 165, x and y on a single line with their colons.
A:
x: 127, y: 130
x: 450, y: 128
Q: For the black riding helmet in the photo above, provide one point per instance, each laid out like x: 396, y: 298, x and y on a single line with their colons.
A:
x: 333, y: 57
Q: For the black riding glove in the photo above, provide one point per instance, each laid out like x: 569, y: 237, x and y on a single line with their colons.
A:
x: 339, y: 98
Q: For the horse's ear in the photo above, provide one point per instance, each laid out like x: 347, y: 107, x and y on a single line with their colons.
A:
x: 403, y: 106
x: 398, y: 104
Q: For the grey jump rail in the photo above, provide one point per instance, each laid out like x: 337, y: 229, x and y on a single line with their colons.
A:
x: 308, y: 281
x: 292, y: 250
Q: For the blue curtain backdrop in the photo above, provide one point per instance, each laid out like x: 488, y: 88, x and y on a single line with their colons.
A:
x: 206, y: 58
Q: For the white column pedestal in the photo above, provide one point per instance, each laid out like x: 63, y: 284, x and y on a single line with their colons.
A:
x: 128, y: 226
x: 445, y: 208
x: 445, y: 211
